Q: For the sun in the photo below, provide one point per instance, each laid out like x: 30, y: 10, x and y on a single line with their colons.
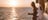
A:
x: 13, y: 3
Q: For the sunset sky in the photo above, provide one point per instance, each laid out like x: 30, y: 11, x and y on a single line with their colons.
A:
x: 15, y: 3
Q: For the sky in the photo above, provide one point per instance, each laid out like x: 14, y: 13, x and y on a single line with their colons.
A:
x: 15, y: 3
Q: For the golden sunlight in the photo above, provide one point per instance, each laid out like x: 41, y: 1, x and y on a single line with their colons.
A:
x: 15, y: 3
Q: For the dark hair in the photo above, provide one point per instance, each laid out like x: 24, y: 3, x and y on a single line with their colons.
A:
x: 33, y: 4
